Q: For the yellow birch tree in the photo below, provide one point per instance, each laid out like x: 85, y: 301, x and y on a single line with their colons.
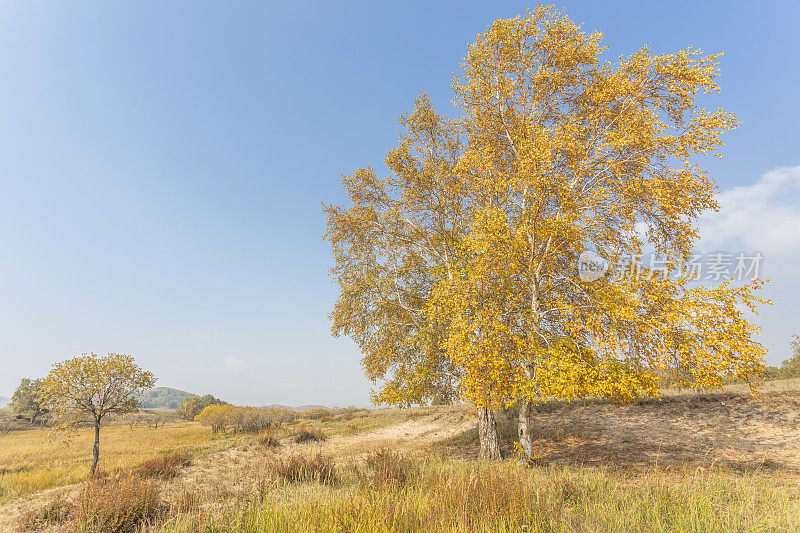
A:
x: 459, y: 270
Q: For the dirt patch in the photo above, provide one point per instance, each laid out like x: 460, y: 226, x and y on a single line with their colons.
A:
x: 726, y: 429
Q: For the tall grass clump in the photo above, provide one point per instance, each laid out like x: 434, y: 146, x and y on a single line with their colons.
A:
x: 267, y: 439
x: 105, y: 506
x: 165, y: 467
x: 389, y: 467
x: 308, y: 434
x: 299, y: 468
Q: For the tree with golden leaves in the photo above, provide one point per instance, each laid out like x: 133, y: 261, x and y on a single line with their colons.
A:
x: 91, y: 388
x: 459, y: 270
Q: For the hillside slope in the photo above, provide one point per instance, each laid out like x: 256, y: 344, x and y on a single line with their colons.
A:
x: 164, y: 398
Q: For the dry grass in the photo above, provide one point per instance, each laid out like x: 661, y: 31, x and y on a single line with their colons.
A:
x: 102, y: 505
x: 305, y: 434
x: 299, y: 468
x: 687, y: 462
x: 458, y: 496
x: 165, y: 467
x: 56, y: 512
x: 115, y: 506
x: 268, y: 439
x: 29, y: 463
x: 387, y: 467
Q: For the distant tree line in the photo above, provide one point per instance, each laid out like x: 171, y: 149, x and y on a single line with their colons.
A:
x: 26, y: 400
x: 790, y: 368
x: 223, y: 417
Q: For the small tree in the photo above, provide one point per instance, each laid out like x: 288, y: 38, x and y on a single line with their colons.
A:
x: 7, y: 424
x: 25, y: 400
x: 193, y: 406
x: 133, y: 420
x: 189, y: 408
x: 790, y: 368
x: 94, y: 387
x: 216, y: 416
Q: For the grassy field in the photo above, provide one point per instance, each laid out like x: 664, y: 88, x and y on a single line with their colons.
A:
x: 443, y: 495
x: 689, y: 462
x: 30, y: 463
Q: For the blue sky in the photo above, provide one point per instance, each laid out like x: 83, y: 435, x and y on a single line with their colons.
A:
x: 162, y: 167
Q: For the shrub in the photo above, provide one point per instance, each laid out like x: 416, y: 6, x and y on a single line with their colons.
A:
x: 166, y: 467
x: 216, y: 416
x: 268, y: 440
x: 243, y: 419
x: 298, y: 468
x: 115, y: 506
x: 193, y: 406
x: 306, y: 434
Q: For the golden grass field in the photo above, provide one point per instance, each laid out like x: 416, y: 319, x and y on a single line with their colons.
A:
x: 687, y: 462
x: 30, y: 462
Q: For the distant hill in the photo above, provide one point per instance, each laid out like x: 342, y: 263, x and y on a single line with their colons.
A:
x: 309, y: 407
x: 301, y: 408
x: 164, y: 398
x: 4, y: 401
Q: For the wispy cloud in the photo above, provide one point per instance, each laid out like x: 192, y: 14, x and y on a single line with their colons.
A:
x: 764, y: 216
x: 233, y: 364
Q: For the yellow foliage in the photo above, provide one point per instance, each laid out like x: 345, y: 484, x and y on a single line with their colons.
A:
x: 93, y: 387
x: 458, y: 270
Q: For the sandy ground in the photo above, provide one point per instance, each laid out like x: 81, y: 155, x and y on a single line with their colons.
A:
x: 728, y: 429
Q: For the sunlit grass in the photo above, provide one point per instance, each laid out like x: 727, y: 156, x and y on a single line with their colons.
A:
x: 30, y: 463
x: 454, y: 496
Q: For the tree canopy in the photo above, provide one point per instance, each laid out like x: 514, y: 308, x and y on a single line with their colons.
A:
x: 92, y: 387
x: 457, y: 271
x: 25, y: 400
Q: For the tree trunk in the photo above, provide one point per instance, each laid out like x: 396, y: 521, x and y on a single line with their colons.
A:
x: 487, y: 435
x: 524, y: 426
x: 96, y: 448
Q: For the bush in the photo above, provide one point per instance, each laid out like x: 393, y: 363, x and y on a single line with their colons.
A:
x: 298, y: 468
x: 243, y: 419
x: 115, y: 506
x: 305, y: 434
x: 268, y: 440
x: 166, y: 467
